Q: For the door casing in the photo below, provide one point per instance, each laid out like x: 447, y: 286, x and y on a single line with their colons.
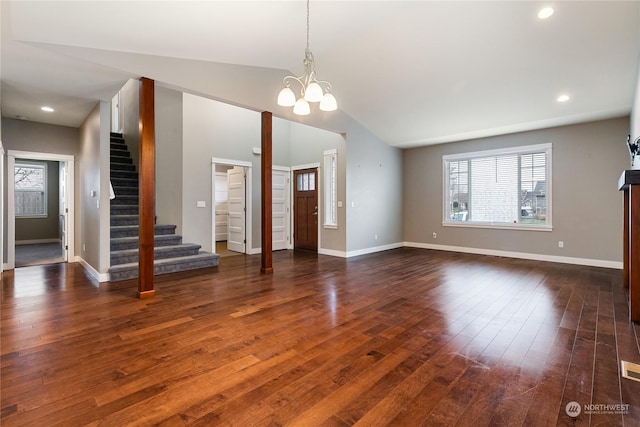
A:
x: 306, y: 212
x: 11, y: 212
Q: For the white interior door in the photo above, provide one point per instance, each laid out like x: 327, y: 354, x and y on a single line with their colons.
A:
x: 280, y: 211
x: 63, y: 209
x: 222, y: 210
x: 236, y: 227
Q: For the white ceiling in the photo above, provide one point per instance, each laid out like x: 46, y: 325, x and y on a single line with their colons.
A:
x: 412, y: 72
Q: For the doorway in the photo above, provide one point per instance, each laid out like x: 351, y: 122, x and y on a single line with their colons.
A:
x: 231, y: 218
x: 305, y: 208
x: 236, y: 209
x: 34, y: 174
x: 280, y: 208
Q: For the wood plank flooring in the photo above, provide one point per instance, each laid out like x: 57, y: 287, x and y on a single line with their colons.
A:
x: 407, y: 337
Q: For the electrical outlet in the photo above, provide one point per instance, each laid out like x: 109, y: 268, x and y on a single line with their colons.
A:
x: 435, y: 235
x: 561, y: 244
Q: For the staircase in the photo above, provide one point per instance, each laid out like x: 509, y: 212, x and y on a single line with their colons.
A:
x: 170, y: 254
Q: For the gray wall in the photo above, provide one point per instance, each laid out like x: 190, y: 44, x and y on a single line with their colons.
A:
x: 307, y: 146
x: 374, y: 191
x: 635, y: 115
x: 213, y: 129
x: 587, y: 208
x: 45, y: 228
x: 168, y: 107
x: 40, y: 138
x: 93, y: 238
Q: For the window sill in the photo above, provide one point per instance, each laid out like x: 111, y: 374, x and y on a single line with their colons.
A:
x: 330, y: 226
x: 519, y: 227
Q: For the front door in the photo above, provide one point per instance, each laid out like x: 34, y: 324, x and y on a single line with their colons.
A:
x: 236, y: 208
x: 305, y: 209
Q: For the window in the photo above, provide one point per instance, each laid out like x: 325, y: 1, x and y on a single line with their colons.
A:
x: 30, y: 190
x: 306, y: 181
x: 508, y: 188
x: 331, y: 188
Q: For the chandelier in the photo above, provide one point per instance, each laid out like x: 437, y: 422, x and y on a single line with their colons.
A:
x: 311, y: 89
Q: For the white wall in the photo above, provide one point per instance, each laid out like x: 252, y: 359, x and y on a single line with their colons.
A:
x: 94, y: 236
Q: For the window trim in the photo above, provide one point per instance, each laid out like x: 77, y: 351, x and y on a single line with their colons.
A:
x: 547, y: 148
x: 330, y: 194
x: 45, y: 168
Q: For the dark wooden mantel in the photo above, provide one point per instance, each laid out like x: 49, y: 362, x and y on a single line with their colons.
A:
x: 629, y: 182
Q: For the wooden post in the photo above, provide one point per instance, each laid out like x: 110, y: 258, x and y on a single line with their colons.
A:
x: 266, y: 193
x: 625, y: 239
x: 146, y: 192
x: 629, y: 182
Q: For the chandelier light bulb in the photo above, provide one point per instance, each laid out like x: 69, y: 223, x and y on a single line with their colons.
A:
x: 286, y: 97
x: 328, y: 102
x: 301, y: 108
x: 313, y: 93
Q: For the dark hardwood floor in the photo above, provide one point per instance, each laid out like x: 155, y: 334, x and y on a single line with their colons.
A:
x: 406, y: 337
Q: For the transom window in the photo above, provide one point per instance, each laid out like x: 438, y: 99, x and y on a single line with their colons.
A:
x: 306, y: 181
x: 30, y: 190
x: 499, y: 188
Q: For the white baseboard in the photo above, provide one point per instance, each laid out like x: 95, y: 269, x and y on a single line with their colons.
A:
x: 255, y: 251
x: 331, y: 252
x: 36, y: 241
x: 374, y: 249
x: 519, y: 255
x: 100, y: 277
x: 349, y: 254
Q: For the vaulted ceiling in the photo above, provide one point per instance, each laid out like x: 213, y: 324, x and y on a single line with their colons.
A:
x: 412, y: 72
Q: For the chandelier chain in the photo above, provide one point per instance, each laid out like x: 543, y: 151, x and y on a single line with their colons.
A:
x: 307, y: 24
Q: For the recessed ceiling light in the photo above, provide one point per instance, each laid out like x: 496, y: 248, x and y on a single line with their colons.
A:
x: 545, y: 13
x: 47, y: 109
x: 563, y: 98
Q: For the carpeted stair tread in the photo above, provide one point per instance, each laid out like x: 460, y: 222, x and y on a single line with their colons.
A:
x: 133, y: 230
x: 124, y: 210
x: 124, y: 219
x: 165, y: 266
x: 125, y: 191
x: 124, y: 174
x: 159, y: 252
x: 122, y: 243
x: 124, y: 200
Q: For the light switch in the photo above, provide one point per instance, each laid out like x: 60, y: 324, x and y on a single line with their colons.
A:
x: 201, y: 204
